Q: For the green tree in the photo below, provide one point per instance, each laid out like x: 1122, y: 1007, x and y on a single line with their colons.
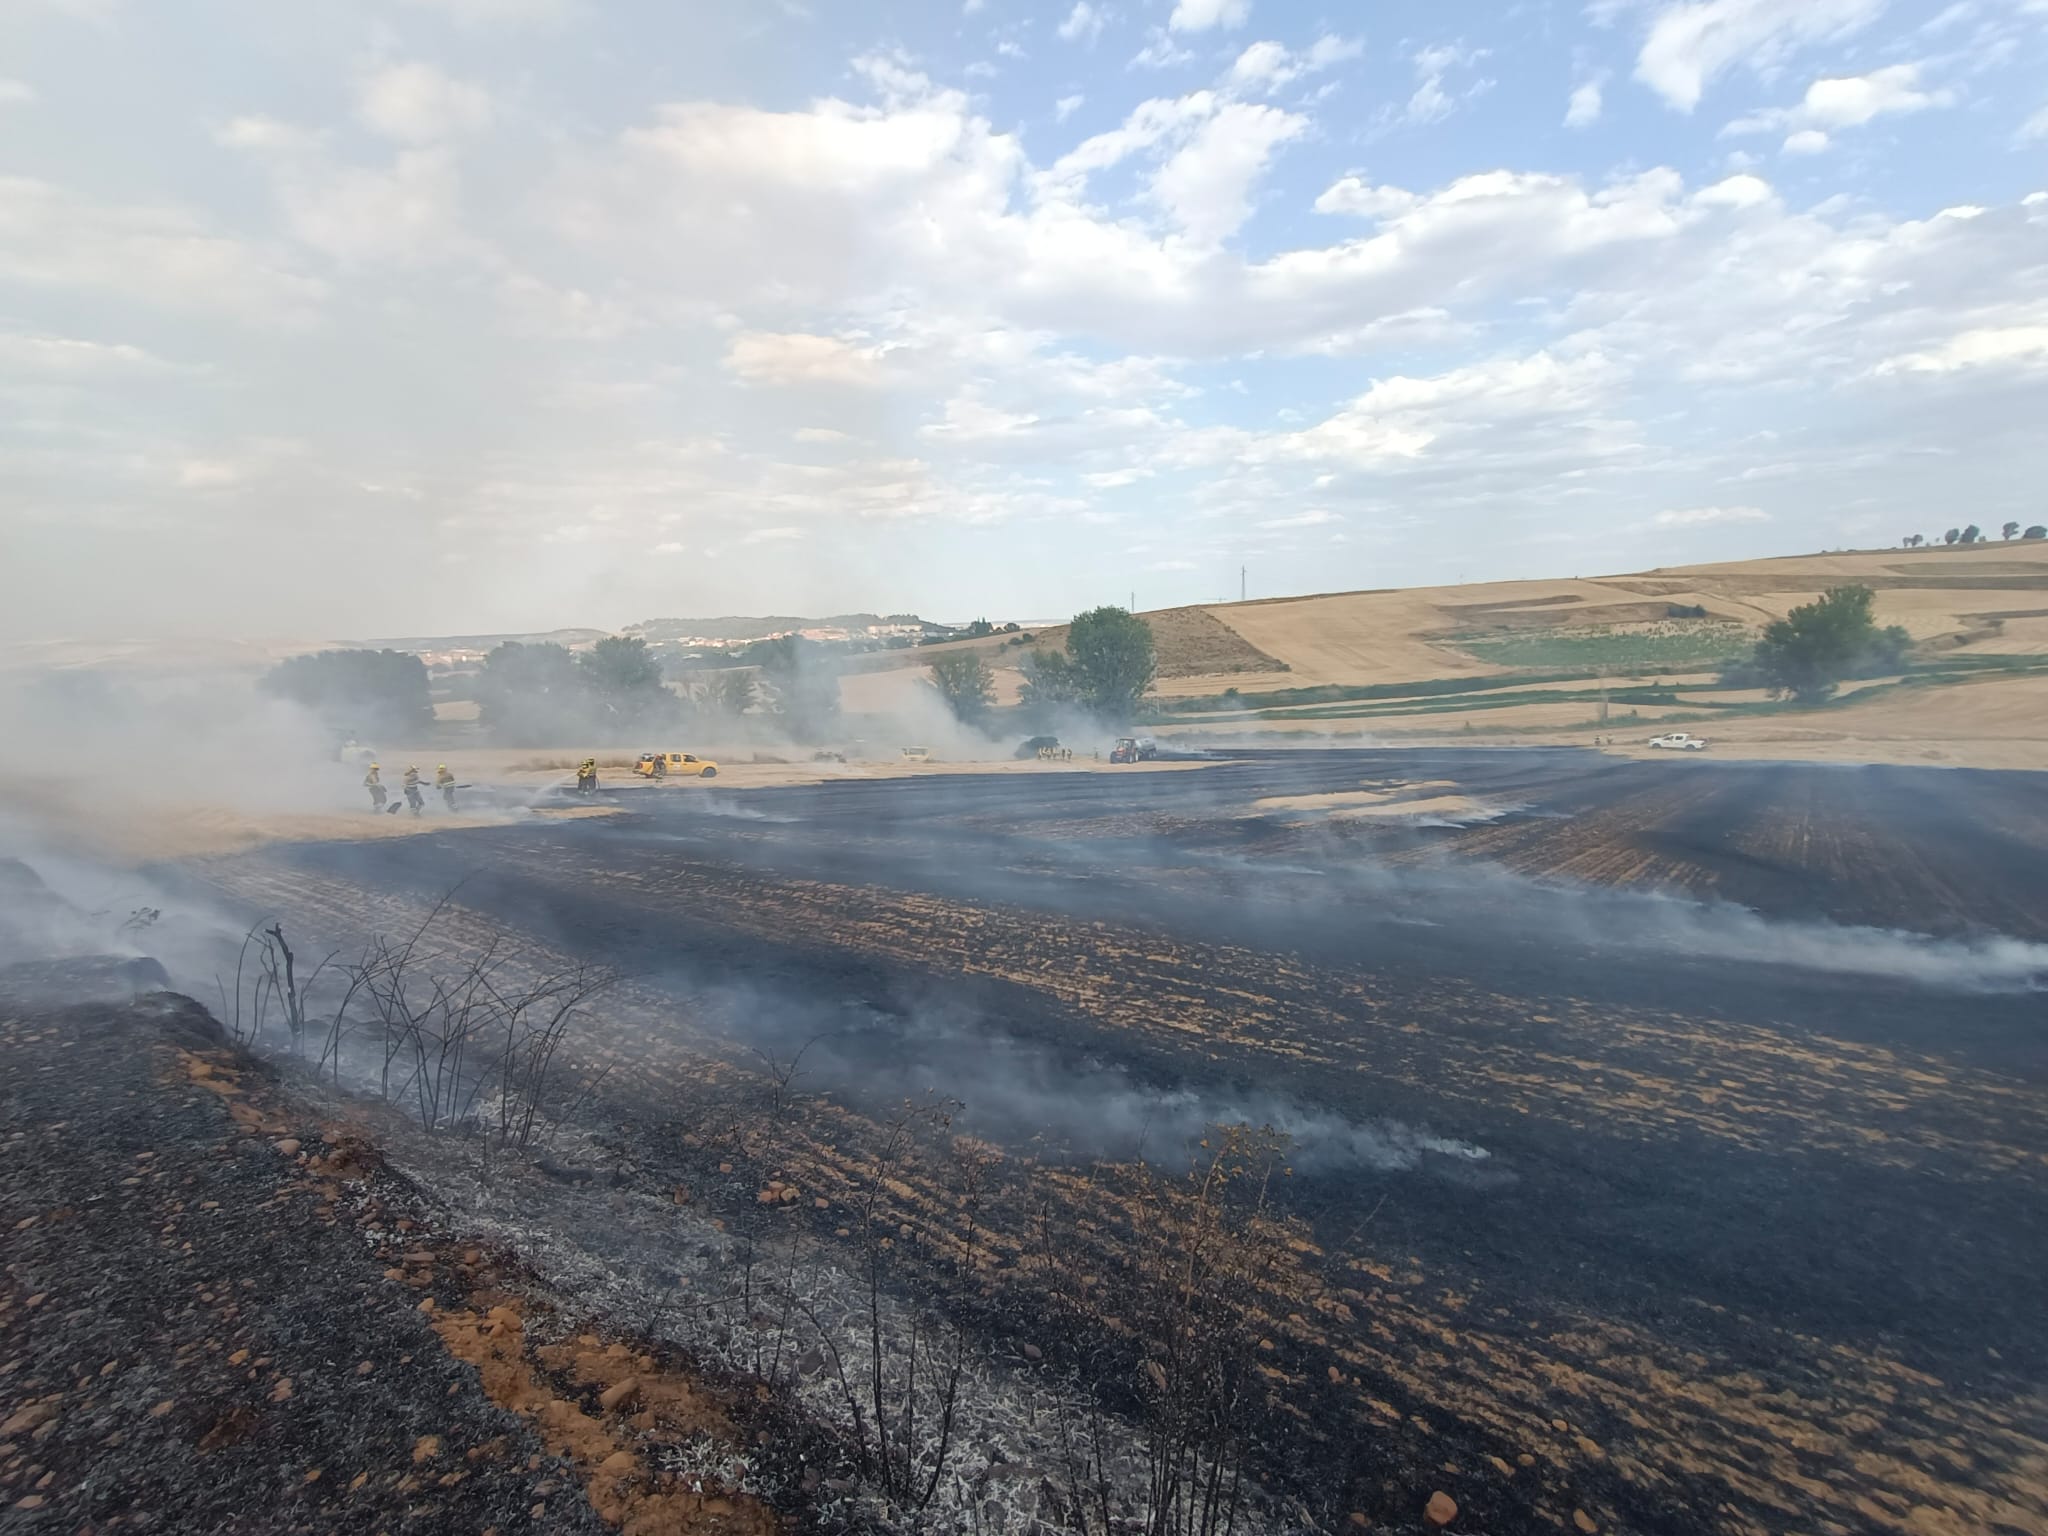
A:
x: 979, y: 629
x: 373, y: 692
x: 1114, y: 654
x: 731, y: 693
x: 966, y: 684
x: 2036, y: 532
x: 623, y: 682
x: 2012, y: 530
x: 1807, y: 654
x: 1973, y: 534
x: 620, y: 667
x: 1951, y: 536
x: 802, y: 679
x: 532, y: 695
x: 1051, y: 686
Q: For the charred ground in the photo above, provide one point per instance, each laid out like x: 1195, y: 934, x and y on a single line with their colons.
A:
x: 1659, y: 1213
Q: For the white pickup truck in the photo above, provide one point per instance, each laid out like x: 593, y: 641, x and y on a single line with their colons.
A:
x: 1678, y: 741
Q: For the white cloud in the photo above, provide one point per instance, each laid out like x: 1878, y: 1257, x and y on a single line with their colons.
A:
x: 821, y: 435
x: 210, y: 474
x: 1148, y: 124
x: 1987, y: 347
x: 407, y: 212
x: 1066, y: 107
x: 1850, y: 102
x: 1854, y: 101
x: 1201, y: 15
x: 1267, y: 66
x: 1359, y: 197
x: 1084, y: 23
x: 1584, y: 109
x: 1741, y: 191
x: 970, y: 420
x: 265, y: 134
x: 158, y: 256
x: 65, y: 356
x: 15, y: 93
x: 1206, y: 186
x: 484, y: 12
x: 85, y: 10
x: 761, y: 357
x: 1161, y: 52
x: 417, y: 104
x: 1697, y: 517
x: 780, y: 535
x: 404, y: 214
x: 1690, y: 44
x: 1318, y: 518
x: 1431, y: 102
x: 1807, y: 141
x: 2035, y: 127
x: 1519, y: 407
x: 672, y: 547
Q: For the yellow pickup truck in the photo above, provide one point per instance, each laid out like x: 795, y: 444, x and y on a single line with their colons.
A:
x: 677, y: 765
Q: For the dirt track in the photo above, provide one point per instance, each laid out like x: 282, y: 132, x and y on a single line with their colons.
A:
x: 1681, y: 1218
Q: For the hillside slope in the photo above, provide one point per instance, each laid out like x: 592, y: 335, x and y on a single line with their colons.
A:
x: 1991, y: 595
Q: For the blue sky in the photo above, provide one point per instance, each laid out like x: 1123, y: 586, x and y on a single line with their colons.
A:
x: 350, y: 317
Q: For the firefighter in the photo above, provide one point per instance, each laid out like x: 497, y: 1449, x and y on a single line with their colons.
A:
x: 413, y: 799
x: 375, y: 786
x: 445, y: 782
x: 586, y: 776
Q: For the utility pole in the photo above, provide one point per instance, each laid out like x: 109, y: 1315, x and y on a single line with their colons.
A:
x: 1603, y: 695
x: 1241, y: 588
x: 1134, y: 603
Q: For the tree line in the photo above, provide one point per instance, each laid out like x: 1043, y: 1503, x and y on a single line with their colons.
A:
x: 1104, y: 672
x: 544, y: 694
x: 1972, y: 534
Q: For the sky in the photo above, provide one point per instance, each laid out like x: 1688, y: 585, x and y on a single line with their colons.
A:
x: 343, y: 318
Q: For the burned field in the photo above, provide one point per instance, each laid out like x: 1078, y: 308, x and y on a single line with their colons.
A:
x: 1665, y: 1142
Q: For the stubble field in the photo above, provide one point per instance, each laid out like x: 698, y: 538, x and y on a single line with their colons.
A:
x: 1667, y: 1138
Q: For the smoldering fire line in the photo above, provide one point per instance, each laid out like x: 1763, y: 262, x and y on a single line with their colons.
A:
x: 1546, y: 911
x: 1022, y: 1094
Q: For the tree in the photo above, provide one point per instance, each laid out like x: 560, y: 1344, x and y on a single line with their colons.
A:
x: 1051, y: 684
x: 381, y: 692
x: 1973, y: 534
x: 1807, y: 653
x: 2012, y: 530
x: 1914, y: 540
x: 532, y: 695
x: 1951, y: 536
x: 979, y: 629
x: 619, y: 666
x: 1113, y: 652
x: 966, y: 684
x: 731, y: 693
x: 623, y: 681
x: 2036, y: 532
x: 803, y: 680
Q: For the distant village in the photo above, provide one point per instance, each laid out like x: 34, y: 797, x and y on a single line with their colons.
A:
x: 685, y: 644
